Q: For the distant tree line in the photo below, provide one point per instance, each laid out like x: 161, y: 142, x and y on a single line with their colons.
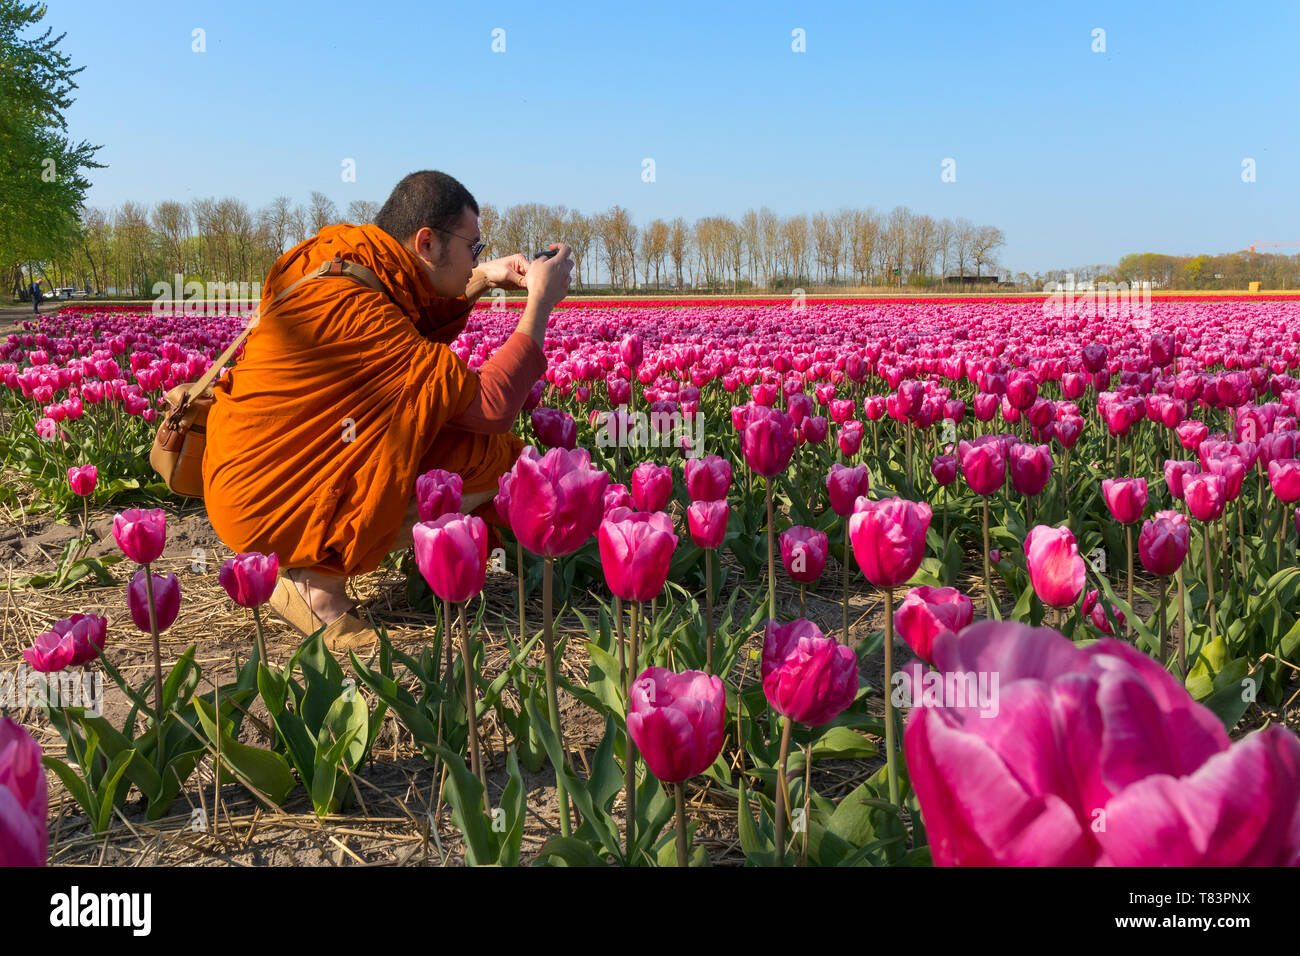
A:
x: 130, y: 248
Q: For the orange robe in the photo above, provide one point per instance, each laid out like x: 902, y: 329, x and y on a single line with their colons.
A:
x: 339, y: 401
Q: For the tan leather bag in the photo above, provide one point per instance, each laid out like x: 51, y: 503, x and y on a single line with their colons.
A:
x: 177, y: 453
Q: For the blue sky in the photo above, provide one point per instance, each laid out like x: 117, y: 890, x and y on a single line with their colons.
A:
x: 1078, y: 156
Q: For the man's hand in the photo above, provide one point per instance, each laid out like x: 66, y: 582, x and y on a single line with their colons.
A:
x: 505, y: 273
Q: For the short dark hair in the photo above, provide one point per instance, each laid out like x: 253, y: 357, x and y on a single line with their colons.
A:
x: 427, y: 198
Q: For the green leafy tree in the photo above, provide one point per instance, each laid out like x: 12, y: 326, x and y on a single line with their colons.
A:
x: 42, y: 172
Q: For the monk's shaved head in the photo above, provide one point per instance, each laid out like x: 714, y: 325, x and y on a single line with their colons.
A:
x: 425, y: 200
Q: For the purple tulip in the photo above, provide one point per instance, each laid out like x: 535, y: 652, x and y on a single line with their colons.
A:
x: 166, y: 596
x: 846, y: 485
x: 438, y: 493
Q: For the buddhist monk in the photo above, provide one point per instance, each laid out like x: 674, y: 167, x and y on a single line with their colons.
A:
x: 343, y: 396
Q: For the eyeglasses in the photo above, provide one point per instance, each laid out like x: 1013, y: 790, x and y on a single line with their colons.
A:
x: 474, y: 247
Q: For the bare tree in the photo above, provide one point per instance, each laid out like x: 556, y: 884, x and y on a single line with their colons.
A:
x: 171, y: 221
x: 985, y: 243
x: 362, y: 211
x: 963, y: 242
x: 322, y: 211
x: 678, y: 240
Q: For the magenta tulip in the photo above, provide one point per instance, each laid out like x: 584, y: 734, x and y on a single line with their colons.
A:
x: 249, y: 578
x: 944, y: 469
x: 1204, y: 494
x: 556, y: 500
x: 1072, y: 741
x: 438, y: 493
x: 88, y: 631
x: 927, y: 612
x: 1163, y: 544
x: 652, y: 486
x: 803, y: 552
x: 141, y: 534
x: 768, y: 441
x: 1031, y: 468
x: 1126, y: 498
x: 82, y: 480
x: 677, y: 721
x: 849, y: 438
x: 166, y: 596
x: 1284, y: 479
x: 846, y: 485
x: 24, y: 798
x: 708, y: 478
x: 707, y: 521
x: 1055, y: 568
x: 451, y: 553
x: 888, y: 538
x: 983, y: 465
x: 807, y: 676
x: 636, y: 548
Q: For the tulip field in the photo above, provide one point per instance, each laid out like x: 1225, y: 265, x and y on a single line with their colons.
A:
x: 856, y: 584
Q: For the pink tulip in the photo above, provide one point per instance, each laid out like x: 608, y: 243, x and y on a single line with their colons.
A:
x: 502, y: 501
x: 1284, y: 479
x: 1204, y: 494
x: 636, y: 548
x: 807, y: 676
x: 166, y: 596
x: 995, y: 555
x: 846, y: 485
x: 708, y: 478
x: 652, y: 486
x: 888, y: 538
x: 24, y: 798
x: 927, y: 612
x: 1163, y: 544
x: 617, y: 496
x: 1233, y: 472
x: 141, y: 534
x: 1126, y: 498
x: 51, y: 651
x: 983, y: 465
x: 1022, y: 389
x: 438, y: 493
x: 451, y: 553
x: 556, y: 500
x: 768, y: 441
x: 249, y: 578
x: 1073, y: 741
x: 677, y: 721
x: 1176, y: 471
x: 1031, y: 468
x: 707, y: 521
x: 1055, y: 568
x: 803, y: 552
x: 82, y: 480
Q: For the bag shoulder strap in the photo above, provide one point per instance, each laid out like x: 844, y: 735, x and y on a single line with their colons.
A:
x: 336, y: 267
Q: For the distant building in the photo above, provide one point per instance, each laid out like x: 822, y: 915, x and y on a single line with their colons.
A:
x: 991, y: 280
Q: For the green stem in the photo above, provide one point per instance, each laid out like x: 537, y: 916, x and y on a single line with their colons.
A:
x: 845, y: 635
x: 629, y: 780
x: 771, y: 556
x: 552, y: 698
x: 782, y: 793
x: 683, y: 850
x: 892, y: 768
x: 471, y: 705
x: 708, y: 603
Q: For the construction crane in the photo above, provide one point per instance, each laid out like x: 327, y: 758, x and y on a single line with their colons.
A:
x: 1268, y: 245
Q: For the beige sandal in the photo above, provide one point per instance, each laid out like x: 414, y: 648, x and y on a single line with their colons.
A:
x: 347, y: 632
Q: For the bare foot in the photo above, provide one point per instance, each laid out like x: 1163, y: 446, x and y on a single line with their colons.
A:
x: 326, y: 596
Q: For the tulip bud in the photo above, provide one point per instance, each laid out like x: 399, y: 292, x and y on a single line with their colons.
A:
x: 926, y: 612
x: 677, y: 721
x: 808, y: 677
x: 166, y: 596
x: 1056, y: 570
x: 707, y: 521
x: 249, y: 578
